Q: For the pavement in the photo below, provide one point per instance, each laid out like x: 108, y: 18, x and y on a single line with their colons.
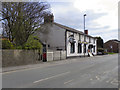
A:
x: 39, y: 65
x: 88, y: 72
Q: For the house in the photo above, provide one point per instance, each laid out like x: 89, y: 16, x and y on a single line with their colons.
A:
x: 112, y: 46
x: 61, y: 37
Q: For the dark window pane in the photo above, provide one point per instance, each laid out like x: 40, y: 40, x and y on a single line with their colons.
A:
x: 72, y: 48
x: 84, y: 48
x: 79, y: 48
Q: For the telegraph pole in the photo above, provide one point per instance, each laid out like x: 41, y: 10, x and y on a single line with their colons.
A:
x: 84, y: 34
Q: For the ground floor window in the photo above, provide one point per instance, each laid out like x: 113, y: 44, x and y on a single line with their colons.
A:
x: 94, y: 49
x: 72, y: 49
x: 79, y: 48
x: 84, y: 48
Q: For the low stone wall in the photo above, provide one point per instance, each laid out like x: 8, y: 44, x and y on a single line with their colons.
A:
x: 24, y: 57
x: 19, y: 57
x: 49, y: 56
x: 63, y: 54
x: 56, y: 55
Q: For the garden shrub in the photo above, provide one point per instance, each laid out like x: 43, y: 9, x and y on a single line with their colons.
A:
x: 32, y: 43
x: 6, y: 44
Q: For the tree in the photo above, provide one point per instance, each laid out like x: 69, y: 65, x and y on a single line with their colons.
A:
x: 99, y: 42
x: 22, y: 19
x: 33, y: 43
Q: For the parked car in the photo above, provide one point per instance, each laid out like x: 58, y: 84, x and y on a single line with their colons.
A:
x: 99, y: 53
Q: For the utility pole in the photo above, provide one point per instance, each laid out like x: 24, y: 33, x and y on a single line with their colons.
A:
x: 84, y: 34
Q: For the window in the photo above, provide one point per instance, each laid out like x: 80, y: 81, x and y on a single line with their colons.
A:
x: 84, y: 48
x: 89, y: 40
x: 48, y: 45
x: 85, y: 38
x: 94, y: 49
x: 72, y: 48
x: 72, y: 35
x: 94, y: 41
x: 79, y: 48
x: 79, y: 37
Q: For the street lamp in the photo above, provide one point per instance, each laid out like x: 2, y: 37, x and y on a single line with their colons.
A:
x: 84, y: 34
x: 84, y: 20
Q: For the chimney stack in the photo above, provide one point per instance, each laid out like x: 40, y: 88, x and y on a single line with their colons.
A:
x: 86, y: 32
x: 49, y: 18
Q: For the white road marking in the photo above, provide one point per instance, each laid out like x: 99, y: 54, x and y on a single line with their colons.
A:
x: 107, y: 81
x: 91, y: 79
x: 114, y: 82
x: 51, y: 77
x: 68, y: 81
x: 24, y: 69
x: 104, y: 72
x: 97, y: 78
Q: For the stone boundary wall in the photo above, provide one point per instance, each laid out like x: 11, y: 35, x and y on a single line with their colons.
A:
x: 25, y: 57
x: 19, y: 57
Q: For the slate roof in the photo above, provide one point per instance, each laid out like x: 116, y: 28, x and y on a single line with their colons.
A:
x: 113, y: 40
x: 71, y: 29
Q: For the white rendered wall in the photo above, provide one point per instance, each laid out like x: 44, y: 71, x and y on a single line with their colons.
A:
x: 76, y: 37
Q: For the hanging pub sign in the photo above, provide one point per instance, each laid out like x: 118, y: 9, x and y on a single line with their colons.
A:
x: 72, y: 40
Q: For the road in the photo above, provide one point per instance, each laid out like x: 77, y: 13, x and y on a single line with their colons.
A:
x: 88, y: 72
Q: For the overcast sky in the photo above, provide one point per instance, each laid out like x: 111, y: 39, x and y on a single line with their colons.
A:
x: 101, y: 19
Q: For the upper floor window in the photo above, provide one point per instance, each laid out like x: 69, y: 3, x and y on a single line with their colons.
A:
x: 94, y: 49
x: 89, y: 40
x: 85, y: 38
x: 79, y: 37
x: 71, y: 35
x: 94, y: 41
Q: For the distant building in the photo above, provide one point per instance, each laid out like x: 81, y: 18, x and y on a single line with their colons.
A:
x: 3, y: 37
x: 112, y: 46
x: 61, y: 37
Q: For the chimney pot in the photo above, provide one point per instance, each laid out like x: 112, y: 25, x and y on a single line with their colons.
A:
x: 49, y: 18
x: 86, y: 32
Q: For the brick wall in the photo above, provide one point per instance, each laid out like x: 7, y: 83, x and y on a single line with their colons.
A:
x: 115, y: 46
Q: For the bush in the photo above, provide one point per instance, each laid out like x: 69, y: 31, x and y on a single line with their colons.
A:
x: 6, y: 44
x: 19, y: 47
x: 32, y: 43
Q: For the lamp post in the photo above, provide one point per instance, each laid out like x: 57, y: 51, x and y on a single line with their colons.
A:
x: 84, y: 34
x: 84, y: 20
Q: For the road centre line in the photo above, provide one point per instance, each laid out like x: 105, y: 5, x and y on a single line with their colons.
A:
x: 24, y: 69
x: 18, y: 70
x: 68, y: 81
x: 51, y: 77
